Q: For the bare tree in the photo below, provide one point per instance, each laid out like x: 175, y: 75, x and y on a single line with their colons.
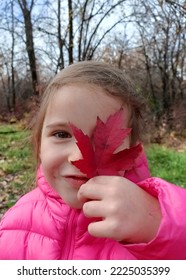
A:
x: 55, y: 34
x: 13, y: 57
x: 70, y: 28
x: 95, y: 21
x: 26, y: 11
x: 81, y: 27
x: 8, y: 78
x: 60, y: 39
x: 161, y: 30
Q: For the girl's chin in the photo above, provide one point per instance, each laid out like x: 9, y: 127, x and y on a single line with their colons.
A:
x: 72, y: 202
x: 75, y: 205
x: 68, y: 193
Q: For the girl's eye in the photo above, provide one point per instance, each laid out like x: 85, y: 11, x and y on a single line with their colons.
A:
x: 62, y: 134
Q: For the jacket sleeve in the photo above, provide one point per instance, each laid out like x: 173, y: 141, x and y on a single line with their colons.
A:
x: 170, y: 241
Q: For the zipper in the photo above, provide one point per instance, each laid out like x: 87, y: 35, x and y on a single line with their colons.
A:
x: 70, y: 235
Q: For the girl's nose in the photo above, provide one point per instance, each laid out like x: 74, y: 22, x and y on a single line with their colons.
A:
x: 74, y: 153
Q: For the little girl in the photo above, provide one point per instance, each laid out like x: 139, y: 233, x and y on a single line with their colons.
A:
x: 116, y: 213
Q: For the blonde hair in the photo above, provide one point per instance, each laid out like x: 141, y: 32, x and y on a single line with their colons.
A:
x: 111, y: 79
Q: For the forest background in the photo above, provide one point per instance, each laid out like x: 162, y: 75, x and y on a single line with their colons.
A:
x: 38, y: 38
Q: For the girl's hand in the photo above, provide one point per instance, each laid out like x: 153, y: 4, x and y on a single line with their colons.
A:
x: 127, y: 212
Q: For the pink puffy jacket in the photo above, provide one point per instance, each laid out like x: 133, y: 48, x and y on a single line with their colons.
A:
x: 41, y: 226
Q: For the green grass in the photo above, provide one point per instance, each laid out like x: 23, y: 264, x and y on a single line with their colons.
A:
x: 16, y: 164
x: 167, y: 164
x: 14, y: 149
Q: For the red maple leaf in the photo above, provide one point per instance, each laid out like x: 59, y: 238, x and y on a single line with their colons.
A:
x: 98, y: 154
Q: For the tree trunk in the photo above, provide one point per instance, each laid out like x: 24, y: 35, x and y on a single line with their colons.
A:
x: 30, y: 42
x: 70, y: 27
x: 60, y: 40
x: 12, y: 60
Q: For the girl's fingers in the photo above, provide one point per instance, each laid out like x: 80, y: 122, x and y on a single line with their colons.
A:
x: 106, y: 226
x: 91, y: 190
x: 102, y: 229
x: 94, y: 209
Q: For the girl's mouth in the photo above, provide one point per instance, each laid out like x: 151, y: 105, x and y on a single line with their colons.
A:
x: 76, y: 181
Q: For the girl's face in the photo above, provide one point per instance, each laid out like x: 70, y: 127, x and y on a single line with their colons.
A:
x: 79, y: 105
